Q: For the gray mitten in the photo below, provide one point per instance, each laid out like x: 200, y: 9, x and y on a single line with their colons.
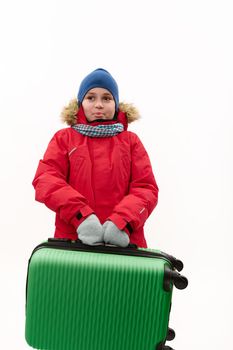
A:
x: 112, y: 235
x: 90, y: 231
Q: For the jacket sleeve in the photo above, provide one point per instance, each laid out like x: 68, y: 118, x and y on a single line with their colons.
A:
x: 142, y: 198
x: 51, y: 186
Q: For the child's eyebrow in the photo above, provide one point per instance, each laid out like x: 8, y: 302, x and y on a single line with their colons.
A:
x: 104, y: 94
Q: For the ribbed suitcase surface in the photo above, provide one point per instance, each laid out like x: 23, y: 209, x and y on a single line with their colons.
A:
x: 93, y: 301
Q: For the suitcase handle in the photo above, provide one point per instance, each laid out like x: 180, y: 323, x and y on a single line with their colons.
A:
x: 131, y: 250
x: 79, y: 243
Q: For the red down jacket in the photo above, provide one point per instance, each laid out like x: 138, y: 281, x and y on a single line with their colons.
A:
x: 111, y: 177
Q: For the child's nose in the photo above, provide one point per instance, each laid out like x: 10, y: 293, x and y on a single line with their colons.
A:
x: 99, y: 104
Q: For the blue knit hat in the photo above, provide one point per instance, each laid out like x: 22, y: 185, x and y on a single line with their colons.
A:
x: 99, y: 78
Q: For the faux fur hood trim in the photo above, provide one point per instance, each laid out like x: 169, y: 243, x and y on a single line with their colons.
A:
x: 69, y: 113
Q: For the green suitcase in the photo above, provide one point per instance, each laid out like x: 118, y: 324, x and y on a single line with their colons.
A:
x: 99, y: 298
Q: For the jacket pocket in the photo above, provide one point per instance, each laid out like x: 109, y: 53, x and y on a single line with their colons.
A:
x: 77, y: 169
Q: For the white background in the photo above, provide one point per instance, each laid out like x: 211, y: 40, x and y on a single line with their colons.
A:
x: 174, y: 61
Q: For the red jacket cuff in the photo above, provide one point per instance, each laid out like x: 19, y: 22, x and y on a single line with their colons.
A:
x: 121, y: 223
x: 85, y: 212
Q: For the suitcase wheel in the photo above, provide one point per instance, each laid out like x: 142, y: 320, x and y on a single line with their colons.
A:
x: 170, y: 334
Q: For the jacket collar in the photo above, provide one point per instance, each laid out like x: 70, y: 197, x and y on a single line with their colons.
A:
x: 127, y: 113
x: 121, y: 118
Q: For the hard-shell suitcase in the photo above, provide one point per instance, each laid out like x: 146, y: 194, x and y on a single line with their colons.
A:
x: 99, y: 298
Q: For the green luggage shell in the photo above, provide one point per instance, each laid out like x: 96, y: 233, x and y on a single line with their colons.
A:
x: 85, y: 300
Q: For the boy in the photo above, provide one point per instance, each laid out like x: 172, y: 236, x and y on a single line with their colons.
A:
x: 95, y: 174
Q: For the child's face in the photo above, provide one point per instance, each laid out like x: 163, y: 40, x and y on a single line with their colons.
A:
x: 98, y: 103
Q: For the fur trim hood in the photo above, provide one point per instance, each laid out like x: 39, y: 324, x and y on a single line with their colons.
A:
x: 69, y: 113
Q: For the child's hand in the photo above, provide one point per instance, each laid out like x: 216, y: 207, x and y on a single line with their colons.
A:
x: 112, y: 235
x: 90, y: 231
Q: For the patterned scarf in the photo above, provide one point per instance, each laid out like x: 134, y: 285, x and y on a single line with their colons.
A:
x: 99, y: 130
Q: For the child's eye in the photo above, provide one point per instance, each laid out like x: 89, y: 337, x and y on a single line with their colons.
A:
x: 107, y: 98
x: 90, y: 98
